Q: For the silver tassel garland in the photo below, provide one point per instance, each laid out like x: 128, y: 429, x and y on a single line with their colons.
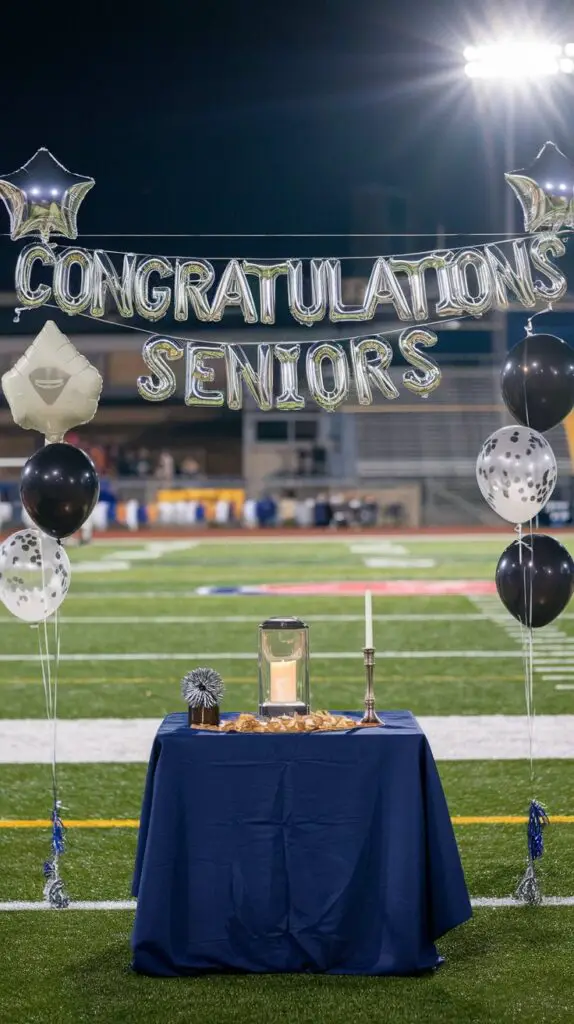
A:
x: 528, y: 890
x: 54, y: 889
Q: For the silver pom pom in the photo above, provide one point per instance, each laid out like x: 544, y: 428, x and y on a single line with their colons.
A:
x: 202, y: 688
x: 528, y: 891
x: 55, y: 893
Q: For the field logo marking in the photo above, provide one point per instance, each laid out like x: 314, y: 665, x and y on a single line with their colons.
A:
x: 122, y: 560
x: 388, y: 555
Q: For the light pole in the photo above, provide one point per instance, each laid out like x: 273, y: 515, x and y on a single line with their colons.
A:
x: 511, y: 66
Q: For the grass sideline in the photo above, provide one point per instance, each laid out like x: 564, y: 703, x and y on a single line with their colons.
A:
x: 504, y: 966
x: 508, y: 964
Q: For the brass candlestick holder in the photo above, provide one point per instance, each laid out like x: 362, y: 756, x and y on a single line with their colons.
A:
x: 370, y: 717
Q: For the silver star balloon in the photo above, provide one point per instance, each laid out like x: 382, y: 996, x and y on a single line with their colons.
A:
x: 43, y: 198
x: 545, y: 190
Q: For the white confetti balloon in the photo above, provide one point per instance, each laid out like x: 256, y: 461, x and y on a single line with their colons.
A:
x: 34, y: 575
x: 516, y: 472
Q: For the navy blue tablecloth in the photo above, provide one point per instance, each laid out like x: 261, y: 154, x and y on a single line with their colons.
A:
x: 324, y: 852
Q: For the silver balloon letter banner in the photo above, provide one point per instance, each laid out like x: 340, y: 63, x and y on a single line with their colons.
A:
x: 468, y: 282
x: 51, y: 389
x: 327, y: 368
x: 516, y: 473
x: 43, y: 199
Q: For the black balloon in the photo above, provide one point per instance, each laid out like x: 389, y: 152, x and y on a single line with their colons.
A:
x: 535, y: 579
x: 59, y: 489
x: 538, y: 381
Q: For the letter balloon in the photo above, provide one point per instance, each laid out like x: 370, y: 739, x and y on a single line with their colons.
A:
x: 428, y: 378
x: 372, y: 370
x: 31, y: 254
x: 157, y: 352
x: 289, y: 399
x: 327, y: 398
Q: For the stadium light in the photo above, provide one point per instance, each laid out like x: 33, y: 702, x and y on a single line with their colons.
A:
x: 515, y: 68
x: 519, y: 60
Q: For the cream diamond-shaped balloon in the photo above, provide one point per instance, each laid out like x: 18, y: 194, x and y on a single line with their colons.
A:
x: 52, y: 387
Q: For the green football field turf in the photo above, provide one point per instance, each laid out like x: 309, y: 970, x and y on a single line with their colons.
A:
x: 508, y: 964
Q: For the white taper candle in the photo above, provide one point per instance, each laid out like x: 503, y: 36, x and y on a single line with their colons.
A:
x: 368, y: 619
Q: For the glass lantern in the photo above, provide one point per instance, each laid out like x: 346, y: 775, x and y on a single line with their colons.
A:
x: 283, y: 667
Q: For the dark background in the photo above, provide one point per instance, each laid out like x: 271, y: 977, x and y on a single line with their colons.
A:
x: 264, y: 116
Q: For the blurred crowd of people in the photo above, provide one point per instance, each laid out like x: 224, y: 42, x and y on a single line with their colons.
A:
x: 285, y: 510
x: 171, y: 506
x: 265, y: 512
x: 115, y: 461
x: 320, y: 511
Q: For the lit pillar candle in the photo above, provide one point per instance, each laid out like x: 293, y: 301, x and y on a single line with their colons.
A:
x: 283, y: 682
x: 368, y: 619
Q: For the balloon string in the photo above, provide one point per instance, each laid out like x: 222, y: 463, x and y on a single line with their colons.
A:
x: 527, y: 655
x: 50, y: 681
x: 344, y: 234
x: 530, y: 713
x: 528, y: 597
x: 505, y: 239
x: 292, y: 341
x: 530, y: 329
x: 527, y: 638
x: 45, y: 646
x: 44, y: 669
x: 55, y: 706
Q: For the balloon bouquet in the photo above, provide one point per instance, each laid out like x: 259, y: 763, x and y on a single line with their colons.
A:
x: 516, y: 473
x: 516, y: 468
x: 59, y: 489
x: 51, y: 389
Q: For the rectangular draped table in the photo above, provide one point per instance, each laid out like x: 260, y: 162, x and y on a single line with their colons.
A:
x: 320, y: 852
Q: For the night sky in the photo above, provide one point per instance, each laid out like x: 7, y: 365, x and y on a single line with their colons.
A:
x: 265, y: 116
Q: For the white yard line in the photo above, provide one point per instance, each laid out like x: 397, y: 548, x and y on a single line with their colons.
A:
x: 478, y: 902
x: 552, y: 651
x: 250, y: 656
x: 396, y: 537
x: 399, y: 563
x: 133, y: 620
x: 129, y: 740
x: 377, y: 547
x: 192, y: 595
x: 74, y: 905
x: 508, y: 901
